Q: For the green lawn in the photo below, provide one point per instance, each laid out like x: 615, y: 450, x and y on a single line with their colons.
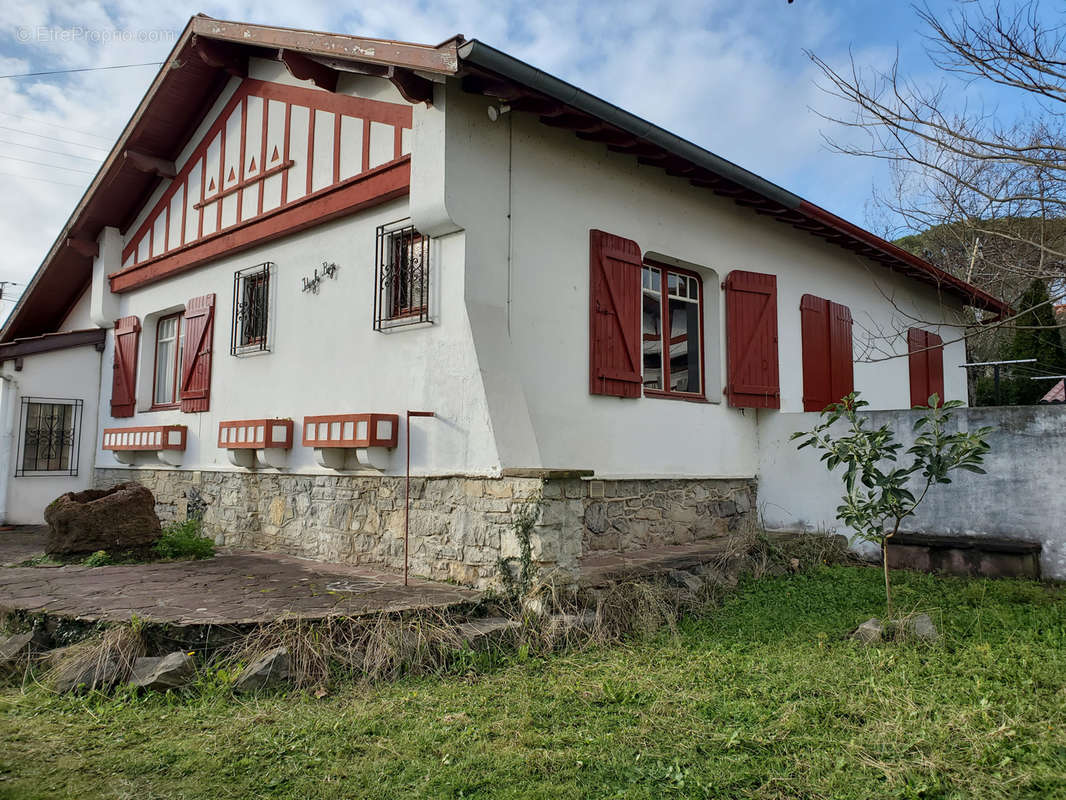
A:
x: 763, y: 697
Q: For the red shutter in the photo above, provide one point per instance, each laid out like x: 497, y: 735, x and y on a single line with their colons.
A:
x: 751, y: 340
x: 926, y: 357
x: 814, y: 333
x: 196, y: 354
x: 614, y: 315
x: 124, y: 378
x: 828, y: 364
x: 841, y: 355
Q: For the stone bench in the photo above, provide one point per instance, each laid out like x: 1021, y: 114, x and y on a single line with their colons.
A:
x: 984, y: 556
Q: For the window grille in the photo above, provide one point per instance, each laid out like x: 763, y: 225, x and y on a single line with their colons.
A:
x: 401, y: 276
x: 251, y: 310
x: 49, y: 437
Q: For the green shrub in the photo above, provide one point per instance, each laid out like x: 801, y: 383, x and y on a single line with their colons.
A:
x: 98, y: 559
x: 183, y: 540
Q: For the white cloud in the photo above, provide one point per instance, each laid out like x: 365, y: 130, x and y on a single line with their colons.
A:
x: 725, y: 75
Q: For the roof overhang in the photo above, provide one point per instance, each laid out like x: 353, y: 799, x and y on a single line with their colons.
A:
x: 50, y: 342
x: 209, y: 52
x: 492, y: 73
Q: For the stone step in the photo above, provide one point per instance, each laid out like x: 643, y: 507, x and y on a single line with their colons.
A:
x: 599, y: 569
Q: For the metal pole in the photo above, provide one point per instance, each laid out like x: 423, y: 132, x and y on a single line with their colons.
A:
x: 407, y: 491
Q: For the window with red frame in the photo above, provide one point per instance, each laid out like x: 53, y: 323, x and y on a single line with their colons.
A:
x: 402, y: 276
x: 672, y: 332
x: 169, y: 338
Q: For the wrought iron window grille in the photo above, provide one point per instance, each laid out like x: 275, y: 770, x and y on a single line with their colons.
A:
x: 401, y: 276
x: 49, y: 441
x: 251, y: 331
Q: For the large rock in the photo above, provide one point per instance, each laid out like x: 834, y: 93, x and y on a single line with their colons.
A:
x: 117, y: 519
x: 171, y: 671
x: 267, y: 672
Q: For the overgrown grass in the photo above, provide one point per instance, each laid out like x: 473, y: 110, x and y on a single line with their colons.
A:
x: 762, y: 697
x: 184, y: 540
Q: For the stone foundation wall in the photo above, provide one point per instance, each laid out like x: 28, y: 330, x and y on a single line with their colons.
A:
x: 460, y: 527
x: 622, y: 515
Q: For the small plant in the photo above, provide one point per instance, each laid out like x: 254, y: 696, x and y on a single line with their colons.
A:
x: 517, y: 582
x: 100, y: 558
x: 184, y: 540
x: 877, y: 497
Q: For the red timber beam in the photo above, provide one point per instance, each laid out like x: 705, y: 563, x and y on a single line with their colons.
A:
x: 366, y: 190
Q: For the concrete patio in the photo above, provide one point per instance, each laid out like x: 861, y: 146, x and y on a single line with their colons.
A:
x: 231, y: 588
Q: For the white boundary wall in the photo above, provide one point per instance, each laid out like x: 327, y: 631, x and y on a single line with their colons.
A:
x: 1023, y: 496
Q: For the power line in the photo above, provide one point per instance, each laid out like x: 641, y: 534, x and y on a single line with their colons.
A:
x: 44, y: 164
x: 54, y: 152
x: 42, y: 121
x: 82, y: 69
x: 42, y: 180
x: 53, y: 138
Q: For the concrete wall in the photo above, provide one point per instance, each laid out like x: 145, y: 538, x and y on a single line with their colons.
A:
x: 1023, y: 495
x: 71, y: 374
x: 533, y: 193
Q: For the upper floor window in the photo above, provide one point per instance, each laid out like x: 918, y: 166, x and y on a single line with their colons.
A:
x: 401, y: 276
x: 672, y: 331
x: 169, y: 342
x: 250, y: 331
x: 49, y: 437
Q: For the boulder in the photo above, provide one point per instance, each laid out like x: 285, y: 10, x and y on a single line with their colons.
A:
x: 870, y: 632
x: 115, y: 520
x: 685, y: 580
x: 171, y: 671
x: 919, y: 627
x: 99, y: 675
x: 478, y: 634
x: 15, y: 648
x: 266, y: 672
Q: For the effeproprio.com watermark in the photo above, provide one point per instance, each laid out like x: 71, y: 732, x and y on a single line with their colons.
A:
x: 53, y: 33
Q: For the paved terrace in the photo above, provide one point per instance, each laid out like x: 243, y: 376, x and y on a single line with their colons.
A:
x: 239, y: 587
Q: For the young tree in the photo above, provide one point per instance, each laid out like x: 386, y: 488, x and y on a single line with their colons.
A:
x: 1036, y: 336
x: 878, y: 489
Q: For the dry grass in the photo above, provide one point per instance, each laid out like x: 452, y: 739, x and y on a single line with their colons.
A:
x: 99, y: 661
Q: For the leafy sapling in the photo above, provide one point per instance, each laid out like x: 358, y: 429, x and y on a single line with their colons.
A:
x: 880, y: 490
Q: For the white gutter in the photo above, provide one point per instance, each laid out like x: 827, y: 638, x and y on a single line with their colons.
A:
x: 8, y: 391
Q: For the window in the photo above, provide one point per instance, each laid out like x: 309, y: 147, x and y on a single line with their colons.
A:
x: 672, y: 331
x: 401, y: 276
x: 49, y: 437
x: 169, y: 341
x: 251, y: 310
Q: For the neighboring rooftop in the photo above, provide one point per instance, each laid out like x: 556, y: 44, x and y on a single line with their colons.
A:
x: 209, y: 52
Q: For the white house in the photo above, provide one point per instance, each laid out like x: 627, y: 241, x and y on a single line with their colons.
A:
x: 301, y: 237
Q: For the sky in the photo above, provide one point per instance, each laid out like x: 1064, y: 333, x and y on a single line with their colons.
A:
x: 729, y: 75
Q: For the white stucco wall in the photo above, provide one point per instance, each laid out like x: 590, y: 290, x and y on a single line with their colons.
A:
x: 71, y: 374
x: 1020, y: 497
x: 78, y: 318
x: 533, y: 193
x: 325, y: 358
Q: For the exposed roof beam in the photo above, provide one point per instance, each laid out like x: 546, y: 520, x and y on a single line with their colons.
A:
x: 414, y: 88
x: 83, y: 247
x: 144, y: 162
x: 306, y: 69
x: 219, y: 56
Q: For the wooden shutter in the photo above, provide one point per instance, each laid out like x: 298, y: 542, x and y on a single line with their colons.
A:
x: 196, y: 354
x: 828, y: 365
x: 124, y: 378
x: 751, y: 340
x: 926, y: 356
x: 814, y: 332
x: 614, y: 315
x: 841, y: 354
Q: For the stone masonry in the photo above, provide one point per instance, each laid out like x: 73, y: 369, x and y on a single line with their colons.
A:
x: 460, y: 527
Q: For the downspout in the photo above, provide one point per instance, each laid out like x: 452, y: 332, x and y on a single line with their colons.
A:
x: 8, y: 389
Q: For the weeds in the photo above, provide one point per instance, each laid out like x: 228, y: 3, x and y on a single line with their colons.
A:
x: 184, y: 541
